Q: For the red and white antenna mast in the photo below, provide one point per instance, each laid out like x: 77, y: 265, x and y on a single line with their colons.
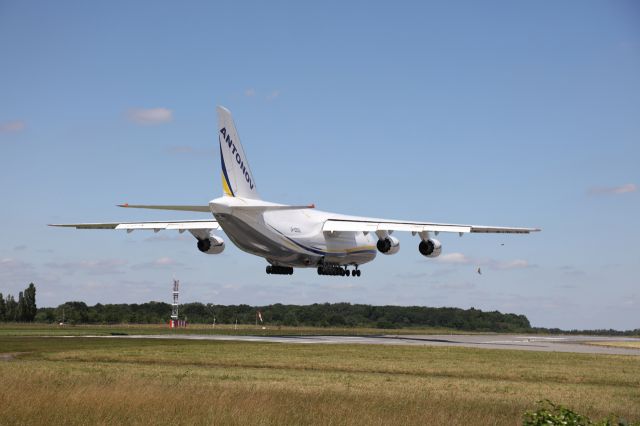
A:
x: 174, y: 305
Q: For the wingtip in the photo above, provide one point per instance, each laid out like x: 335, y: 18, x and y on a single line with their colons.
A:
x: 123, y: 205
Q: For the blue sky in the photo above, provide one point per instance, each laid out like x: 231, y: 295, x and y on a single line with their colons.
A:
x: 496, y: 113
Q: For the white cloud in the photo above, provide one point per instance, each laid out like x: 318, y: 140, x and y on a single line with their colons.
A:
x: 150, y: 116
x: 164, y: 238
x: 234, y: 286
x: 9, y: 264
x: 454, y: 258
x: 94, y: 267
x: 462, y: 259
x: 613, y: 190
x: 631, y: 301
x: 12, y: 126
x: 454, y: 286
x: 341, y: 286
x: 511, y: 264
x: 250, y: 92
x: 571, y: 270
x: 15, y: 272
x: 161, y: 262
x: 273, y: 95
x: 411, y: 275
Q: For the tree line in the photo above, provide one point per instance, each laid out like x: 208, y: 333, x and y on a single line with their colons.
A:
x: 24, y: 309
x: 315, y: 315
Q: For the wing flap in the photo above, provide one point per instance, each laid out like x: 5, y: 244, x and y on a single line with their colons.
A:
x: 502, y: 230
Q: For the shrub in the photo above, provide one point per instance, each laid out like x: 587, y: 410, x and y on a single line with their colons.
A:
x: 549, y: 413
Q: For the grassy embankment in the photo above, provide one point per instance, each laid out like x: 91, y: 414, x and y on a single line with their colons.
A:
x: 55, y: 380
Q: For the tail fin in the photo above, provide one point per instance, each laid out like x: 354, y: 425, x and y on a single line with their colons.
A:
x: 237, y: 179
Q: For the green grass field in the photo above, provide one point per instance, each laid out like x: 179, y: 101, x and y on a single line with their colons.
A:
x: 84, y: 380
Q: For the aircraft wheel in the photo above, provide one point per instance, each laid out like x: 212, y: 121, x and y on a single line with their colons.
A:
x: 347, y: 272
x: 268, y: 269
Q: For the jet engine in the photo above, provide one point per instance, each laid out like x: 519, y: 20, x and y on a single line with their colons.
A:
x: 388, y: 245
x: 211, y: 245
x: 430, y: 247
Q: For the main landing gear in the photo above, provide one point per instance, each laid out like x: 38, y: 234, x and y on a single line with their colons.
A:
x: 279, y: 270
x: 338, y: 270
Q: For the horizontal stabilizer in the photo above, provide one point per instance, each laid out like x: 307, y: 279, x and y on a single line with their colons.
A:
x: 274, y: 207
x: 203, y: 209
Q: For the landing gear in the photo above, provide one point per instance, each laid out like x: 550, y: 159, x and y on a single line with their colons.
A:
x: 338, y: 270
x: 330, y: 270
x: 279, y: 270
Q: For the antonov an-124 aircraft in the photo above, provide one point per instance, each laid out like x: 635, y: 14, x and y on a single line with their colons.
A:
x: 288, y: 236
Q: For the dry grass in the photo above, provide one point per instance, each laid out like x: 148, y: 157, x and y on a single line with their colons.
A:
x: 631, y: 345
x: 113, y: 381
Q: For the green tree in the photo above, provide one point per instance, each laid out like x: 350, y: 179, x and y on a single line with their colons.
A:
x: 47, y: 315
x: 11, y: 309
x: 30, y: 308
x: 290, y: 319
x: 22, y: 307
x: 73, y: 312
x: 3, y: 308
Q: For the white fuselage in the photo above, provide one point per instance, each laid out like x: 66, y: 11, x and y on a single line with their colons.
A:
x: 289, y: 236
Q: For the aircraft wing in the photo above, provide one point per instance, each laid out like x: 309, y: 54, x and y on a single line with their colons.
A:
x: 373, y: 225
x: 182, y: 225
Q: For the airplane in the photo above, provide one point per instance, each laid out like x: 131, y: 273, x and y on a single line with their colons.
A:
x: 289, y: 236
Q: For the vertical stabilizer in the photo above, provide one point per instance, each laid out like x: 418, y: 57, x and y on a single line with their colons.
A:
x: 237, y: 179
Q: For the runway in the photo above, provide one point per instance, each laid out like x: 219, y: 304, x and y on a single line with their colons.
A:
x: 561, y: 343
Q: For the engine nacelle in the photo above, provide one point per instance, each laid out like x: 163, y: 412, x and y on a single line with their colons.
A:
x: 430, y: 247
x: 211, y: 245
x: 388, y: 245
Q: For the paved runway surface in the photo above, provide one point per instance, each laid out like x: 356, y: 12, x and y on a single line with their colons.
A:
x: 488, y: 341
